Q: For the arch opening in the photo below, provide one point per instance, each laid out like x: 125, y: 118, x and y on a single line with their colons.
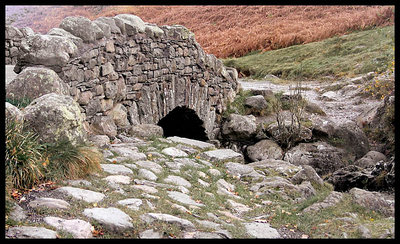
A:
x: 183, y: 122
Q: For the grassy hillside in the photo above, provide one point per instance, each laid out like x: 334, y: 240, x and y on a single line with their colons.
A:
x: 348, y: 55
x: 226, y: 31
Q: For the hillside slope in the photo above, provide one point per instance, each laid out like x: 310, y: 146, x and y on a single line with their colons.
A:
x: 226, y: 31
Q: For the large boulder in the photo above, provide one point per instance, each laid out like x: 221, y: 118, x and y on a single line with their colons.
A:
x: 370, y: 159
x: 34, y: 82
x: 146, y: 130
x: 346, y: 135
x: 256, y: 105
x: 82, y: 27
x: 239, y: 128
x: 56, y: 117
x: 375, y: 201
x: 47, y: 50
x: 130, y: 24
x: 61, y: 32
x: 264, y: 149
x: 323, y: 157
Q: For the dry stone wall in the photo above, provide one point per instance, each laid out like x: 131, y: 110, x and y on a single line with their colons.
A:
x: 124, y: 71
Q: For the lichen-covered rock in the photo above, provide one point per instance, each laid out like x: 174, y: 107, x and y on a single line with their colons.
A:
x: 61, y: 32
x: 264, y: 149
x: 375, y: 201
x: 47, y: 50
x: 82, y: 27
x: 131, y: 23
x: 34, y: 82
x: 323, y: 157
x: 146, y: 130
x: 56, y: 117
x: 104, y: 125
x: 238, y: 127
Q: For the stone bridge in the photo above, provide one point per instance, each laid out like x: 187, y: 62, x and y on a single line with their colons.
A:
x: 123, y: 71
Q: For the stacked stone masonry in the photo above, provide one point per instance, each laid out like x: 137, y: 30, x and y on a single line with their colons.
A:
x: 129, y: 72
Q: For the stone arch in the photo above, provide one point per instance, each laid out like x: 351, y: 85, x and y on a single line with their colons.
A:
x: 184, y: 122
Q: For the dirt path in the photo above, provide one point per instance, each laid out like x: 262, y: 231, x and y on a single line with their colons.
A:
x: 340, y: 104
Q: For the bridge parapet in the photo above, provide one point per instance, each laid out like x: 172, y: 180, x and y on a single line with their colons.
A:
x: 133, y: 71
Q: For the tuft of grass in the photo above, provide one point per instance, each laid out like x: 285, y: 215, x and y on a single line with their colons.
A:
x: 65, y: 160
x: 356, y: 53
x: 19, y: 103
x: 23, y: 156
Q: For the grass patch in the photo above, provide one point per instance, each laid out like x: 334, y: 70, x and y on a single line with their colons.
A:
x: 357, y: 53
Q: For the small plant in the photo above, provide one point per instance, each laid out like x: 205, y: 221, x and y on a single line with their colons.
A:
x: 289, y: 131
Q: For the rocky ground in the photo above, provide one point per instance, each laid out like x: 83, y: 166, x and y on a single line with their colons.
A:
x: 179, y: 188
x: 182, y: 188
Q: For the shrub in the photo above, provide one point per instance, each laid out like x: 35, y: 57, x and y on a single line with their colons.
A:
x: 23, y: 156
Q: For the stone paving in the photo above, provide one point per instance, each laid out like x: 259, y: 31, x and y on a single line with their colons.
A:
x: 166, y: 188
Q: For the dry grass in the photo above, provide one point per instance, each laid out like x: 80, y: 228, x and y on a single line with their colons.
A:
x: 233, y: 31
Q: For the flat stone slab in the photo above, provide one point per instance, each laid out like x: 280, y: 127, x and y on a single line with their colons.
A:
x: 132, y: 203
x: 77, y: 227
x: 118, y: 179
x: 49, y: 203
x: 116, y: 169
x: 147, y: 174
x: 129, y: 153
x: 174, y: 152
x: 29, y: 232
x: 177, y: 180
x: 183, y: 198
x: 150, y: 234
x: 82, y: 194
x: 192, y: 142
x: 221, y: 155
x: 156, y: 168
x: 261, y: 230
x: 183, y: 223
x: 112, y: 218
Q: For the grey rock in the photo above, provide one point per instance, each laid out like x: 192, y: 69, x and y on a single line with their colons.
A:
x: 184, y: 198
x: 182, y: 223
x: 131, y: 23
x: 82, y: 27
x: 156, y: 168
x: 264, y: 149
x: 49, y: 203
x: 146, y: 131
x: 132, y: 203
x: 150, y: 234
x: 323, y: 157
x: 375, y: 201
x: 147, y: 174
x: 256, y: 105
x: 34, y: 82
x: 77, y: 227
x: 116, y: 169
x: 222, y: 155
x: 17, y: 213
x: 30, y: 232
x: 239, y: 128
x: 113, y: 218
x: 50, y: 51
x: 118, y: 179
x: 13, y: 112
x: 82, y: 194
x: 261, y: 230
x: 55, y: 117
x: 174, y: 152
x: 61, y: 32
x: 130, y: 153
x: 370, y: 159
x: 331, y: 200
x: 177, y: 180
x: 307, y: 174
x: 192, y: 142
x: 282, y: 167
